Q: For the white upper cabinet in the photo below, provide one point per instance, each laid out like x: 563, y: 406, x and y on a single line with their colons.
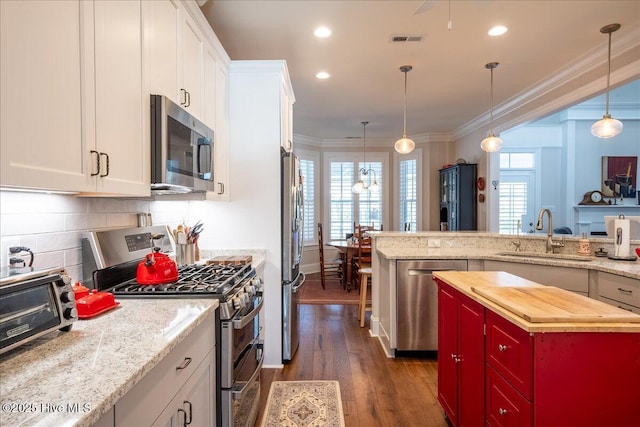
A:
x: 162, y: 29
x: 41, y: 137
x: 72, y: 97
x: 179, y: 58
x: 121, y: 138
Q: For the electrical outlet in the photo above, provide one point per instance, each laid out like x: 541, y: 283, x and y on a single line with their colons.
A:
x: 433, y: 243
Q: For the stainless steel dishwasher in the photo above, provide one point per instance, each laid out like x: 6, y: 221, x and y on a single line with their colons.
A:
x: 417, y: 303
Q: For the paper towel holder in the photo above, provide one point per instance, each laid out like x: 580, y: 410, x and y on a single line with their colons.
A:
x: 619, y: 240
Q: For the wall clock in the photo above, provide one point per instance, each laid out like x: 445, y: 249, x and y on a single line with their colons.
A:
x: 593, y: 198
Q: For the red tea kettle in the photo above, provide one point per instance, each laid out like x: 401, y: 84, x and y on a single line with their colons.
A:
x: 156, y: 268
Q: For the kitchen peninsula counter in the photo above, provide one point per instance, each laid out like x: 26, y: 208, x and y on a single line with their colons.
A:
x: 74, y: 378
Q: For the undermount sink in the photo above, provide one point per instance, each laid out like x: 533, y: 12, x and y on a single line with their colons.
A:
x: 546, y: 256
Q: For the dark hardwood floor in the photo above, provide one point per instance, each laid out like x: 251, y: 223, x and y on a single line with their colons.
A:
x: 376, y: 390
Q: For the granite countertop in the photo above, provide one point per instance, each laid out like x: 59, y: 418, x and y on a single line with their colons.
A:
x: 73, y: 378
x: 467, y: 281
x: 622, y: 268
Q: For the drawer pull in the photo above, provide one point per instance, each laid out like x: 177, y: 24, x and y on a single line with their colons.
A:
x: 502, y: 347
x: 626, y: 291
x: 185, y: 363
x: 455, y: 358
x: 502, y: 411
x: 625, y: 308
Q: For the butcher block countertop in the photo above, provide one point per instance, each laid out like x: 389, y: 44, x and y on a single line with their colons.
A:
x: 539, y: 308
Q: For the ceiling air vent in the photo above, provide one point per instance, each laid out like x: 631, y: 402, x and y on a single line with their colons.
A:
x: 404, y: 38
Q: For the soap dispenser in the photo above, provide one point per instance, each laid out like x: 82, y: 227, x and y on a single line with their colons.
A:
x: 584, y: 246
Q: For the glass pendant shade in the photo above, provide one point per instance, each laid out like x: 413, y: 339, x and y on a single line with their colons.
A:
x: 374, y: 187
x: 608, y: 127
x: 404, y: 145
x: 491, y: 144
x: 358, y: 187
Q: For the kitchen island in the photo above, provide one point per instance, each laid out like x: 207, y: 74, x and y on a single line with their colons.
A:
x: 75, y: 378
x: 598, y: 278
x: 532, y: 354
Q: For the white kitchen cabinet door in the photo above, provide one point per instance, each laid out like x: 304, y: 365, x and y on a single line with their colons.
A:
x: 162, y: 27
x: 41, y: 137
x: 221, y: 135
x: 192, y: 86
x: 119, y: 117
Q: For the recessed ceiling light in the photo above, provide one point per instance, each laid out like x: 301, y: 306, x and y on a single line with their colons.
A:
x: 498, y: 30
x: 323, y: 75
x: 322, y: 32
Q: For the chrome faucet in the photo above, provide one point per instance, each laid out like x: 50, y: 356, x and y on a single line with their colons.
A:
x: 551, y: 245
x: 517, y: 242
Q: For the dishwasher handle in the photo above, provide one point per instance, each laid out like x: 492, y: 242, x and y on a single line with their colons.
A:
x: 419, y: 272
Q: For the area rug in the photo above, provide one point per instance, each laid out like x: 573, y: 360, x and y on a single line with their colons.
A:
x: 304, y: 404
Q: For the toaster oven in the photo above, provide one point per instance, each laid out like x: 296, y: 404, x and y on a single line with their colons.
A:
x: 33, y: 304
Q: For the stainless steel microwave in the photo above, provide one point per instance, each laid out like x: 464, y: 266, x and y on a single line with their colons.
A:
x: 181, y: 150
x: 33, y: 304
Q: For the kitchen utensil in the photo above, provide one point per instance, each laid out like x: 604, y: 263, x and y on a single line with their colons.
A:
x: 95, y: 303
x: 157, y: 268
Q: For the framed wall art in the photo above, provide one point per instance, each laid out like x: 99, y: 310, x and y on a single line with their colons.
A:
x: 619, y: 176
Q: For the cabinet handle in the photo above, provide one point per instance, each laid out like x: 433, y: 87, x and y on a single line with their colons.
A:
x: 187, y: 420
x: 625, y: 308
x: 626, y: 291
x: 502, y: 411
x: 220, y: 188
x: 183, y: 92
x: 107, y: 157
x: 180, y: 410
x: 502, y: 347
x: 188, y: 99
x: 455, y: 358
x: 185, y: 363
x: 97, y: 162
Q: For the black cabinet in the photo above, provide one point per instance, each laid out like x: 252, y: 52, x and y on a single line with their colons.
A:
x: 458, y: 208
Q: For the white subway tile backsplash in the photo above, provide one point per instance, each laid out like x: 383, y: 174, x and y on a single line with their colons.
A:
x: 85, y: 221
x: 57, y: 241
x: 31, y: 223
x: 122, y: 220
x: 51, y: 225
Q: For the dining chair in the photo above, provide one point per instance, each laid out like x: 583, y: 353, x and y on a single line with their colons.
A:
x: 332, y: 267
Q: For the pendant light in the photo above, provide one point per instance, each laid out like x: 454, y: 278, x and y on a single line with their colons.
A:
x: 405, y: 145
x: 608, y: 127
x: 491, y: 143
x: 360, y: 186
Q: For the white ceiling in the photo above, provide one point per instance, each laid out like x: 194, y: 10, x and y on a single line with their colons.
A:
x: 449, y: 84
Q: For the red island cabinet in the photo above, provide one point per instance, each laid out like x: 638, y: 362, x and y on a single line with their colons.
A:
x: 558, y: 376
x: 460, y: 357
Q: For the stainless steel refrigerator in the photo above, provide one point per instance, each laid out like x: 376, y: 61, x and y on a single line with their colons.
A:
x: 292, y: 246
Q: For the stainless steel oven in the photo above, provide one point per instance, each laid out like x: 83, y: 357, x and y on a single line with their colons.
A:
x: 241, y: 361
x: 33, y: 304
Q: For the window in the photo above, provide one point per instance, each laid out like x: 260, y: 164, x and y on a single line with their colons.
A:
x: 516, y: 190
x: 408, y: 194
x: 343, y: 207
x: 307, y: 168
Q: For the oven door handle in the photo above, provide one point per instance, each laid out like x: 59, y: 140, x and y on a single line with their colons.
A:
x: 237, y: 392
x: 245, y: 320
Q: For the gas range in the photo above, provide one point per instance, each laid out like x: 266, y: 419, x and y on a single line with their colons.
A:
x: 234, y: 285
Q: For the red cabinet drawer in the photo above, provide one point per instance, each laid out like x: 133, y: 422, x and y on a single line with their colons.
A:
x: 505, y: 406
x: 509, y: 350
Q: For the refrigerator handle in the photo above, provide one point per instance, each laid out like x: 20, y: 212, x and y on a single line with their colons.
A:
x: 301, y: 281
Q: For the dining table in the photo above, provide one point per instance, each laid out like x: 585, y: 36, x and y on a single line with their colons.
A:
x: 349, y: 248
